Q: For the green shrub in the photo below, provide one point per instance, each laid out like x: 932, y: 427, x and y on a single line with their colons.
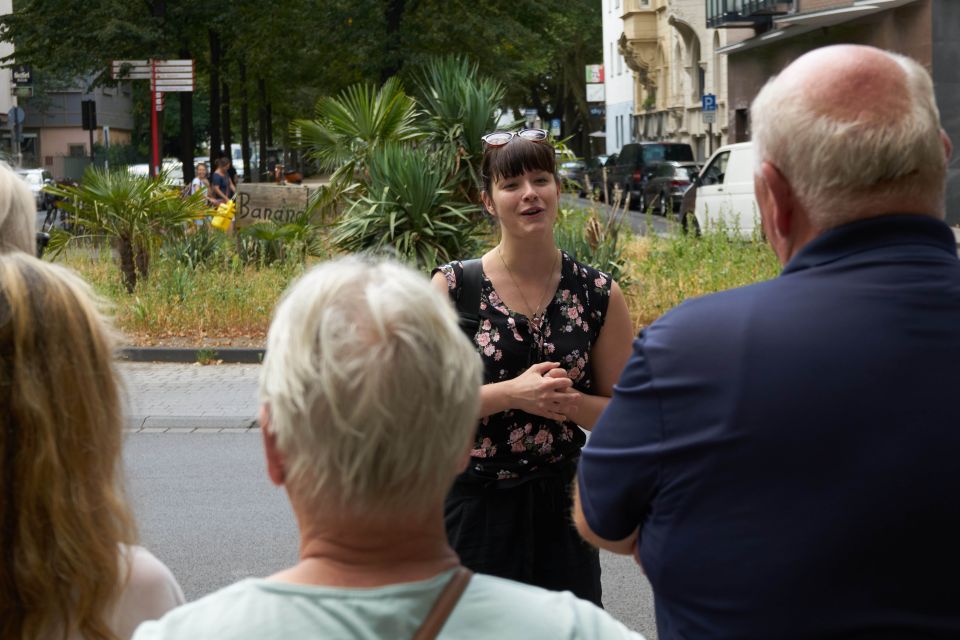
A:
x: 408, y: 207
x: 199, y: 246
x: 267, y: 243
x: 598, y: 243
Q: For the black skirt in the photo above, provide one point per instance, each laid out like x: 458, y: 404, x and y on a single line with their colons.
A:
x: 523, y: 530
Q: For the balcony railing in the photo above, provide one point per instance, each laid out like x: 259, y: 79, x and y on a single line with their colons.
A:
x: 744, y: 13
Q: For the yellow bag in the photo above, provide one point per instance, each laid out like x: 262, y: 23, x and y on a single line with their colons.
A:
x: 224, y: 215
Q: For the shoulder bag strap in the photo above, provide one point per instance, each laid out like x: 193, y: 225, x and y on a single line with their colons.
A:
x: 444, y: 604
x: 468, y: 299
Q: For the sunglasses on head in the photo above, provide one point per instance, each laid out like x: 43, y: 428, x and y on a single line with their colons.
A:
x: 500, y: 138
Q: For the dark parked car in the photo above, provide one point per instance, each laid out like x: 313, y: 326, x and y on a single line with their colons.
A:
x: 632, y: 168
x: 666, y: 185
x: 594, y: 175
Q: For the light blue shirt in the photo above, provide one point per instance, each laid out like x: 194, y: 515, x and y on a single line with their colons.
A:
x: 490, y: 607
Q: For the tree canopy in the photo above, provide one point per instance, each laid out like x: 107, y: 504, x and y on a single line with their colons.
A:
x: 274, y: 60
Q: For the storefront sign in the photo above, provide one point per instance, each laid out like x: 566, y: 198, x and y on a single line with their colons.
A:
x: 270, y: 202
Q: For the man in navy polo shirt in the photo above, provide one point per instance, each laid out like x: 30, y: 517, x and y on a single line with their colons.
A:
x: 784, y: 458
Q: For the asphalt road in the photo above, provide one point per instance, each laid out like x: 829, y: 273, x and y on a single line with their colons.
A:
x: 206, y: 508
x: 637, y: 220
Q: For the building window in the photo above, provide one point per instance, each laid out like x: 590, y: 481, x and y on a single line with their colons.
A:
x: 76, y: 150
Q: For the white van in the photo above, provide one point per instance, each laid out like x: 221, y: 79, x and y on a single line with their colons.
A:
x: 725, y: 191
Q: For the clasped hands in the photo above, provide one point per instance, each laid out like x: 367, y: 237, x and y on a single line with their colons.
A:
x: 545, y: 390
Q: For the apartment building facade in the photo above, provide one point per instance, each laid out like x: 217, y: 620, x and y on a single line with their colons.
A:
x: 783, y: 30
x: 674, y: 60
x: 618, y: 79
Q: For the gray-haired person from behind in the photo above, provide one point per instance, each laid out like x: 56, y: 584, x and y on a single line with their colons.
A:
x: 370, y: 394
x: 17, y: 213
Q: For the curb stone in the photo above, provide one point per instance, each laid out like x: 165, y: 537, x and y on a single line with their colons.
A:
x: 182, y: 424
x: 232, y: 355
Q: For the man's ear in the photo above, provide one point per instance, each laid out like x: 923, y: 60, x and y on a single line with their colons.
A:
x: 275, y: 461
x: 778, y: 206
x: 947, y: 145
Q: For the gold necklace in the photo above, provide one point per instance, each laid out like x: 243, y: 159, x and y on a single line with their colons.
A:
x: 546, y: 288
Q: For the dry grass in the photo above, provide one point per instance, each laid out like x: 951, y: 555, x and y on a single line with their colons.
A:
x: 229, y: 304
x: 667, y: 271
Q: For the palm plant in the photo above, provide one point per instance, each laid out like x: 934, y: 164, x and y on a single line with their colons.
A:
x: 133, y: 212
x: 349, y: 127
x: 409, y: 206
x: 460, y: 107
x: 269, y: 242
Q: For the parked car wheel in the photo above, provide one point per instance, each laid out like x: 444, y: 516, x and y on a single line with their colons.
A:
x: 689, y: 224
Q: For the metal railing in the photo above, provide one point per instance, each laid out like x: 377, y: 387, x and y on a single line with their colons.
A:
x: 722, y: 13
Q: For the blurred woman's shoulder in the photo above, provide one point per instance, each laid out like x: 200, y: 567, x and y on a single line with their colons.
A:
x: 149, y: 592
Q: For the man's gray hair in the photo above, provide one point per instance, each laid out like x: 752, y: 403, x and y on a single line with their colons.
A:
x: 18, y: 213
x: 837, y: 165
x: 372, y: 388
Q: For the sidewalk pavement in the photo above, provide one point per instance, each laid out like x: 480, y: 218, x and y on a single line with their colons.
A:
x: 181, y: 398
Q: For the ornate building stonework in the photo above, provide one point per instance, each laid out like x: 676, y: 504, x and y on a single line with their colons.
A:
x: 673, y: 54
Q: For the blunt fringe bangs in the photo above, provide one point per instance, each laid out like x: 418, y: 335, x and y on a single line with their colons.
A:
x: 516, y: 158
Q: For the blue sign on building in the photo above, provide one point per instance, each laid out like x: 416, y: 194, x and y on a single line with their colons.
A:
x: 709, y: 102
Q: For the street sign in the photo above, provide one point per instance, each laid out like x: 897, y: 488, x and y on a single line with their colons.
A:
x: 555, y: 127
x: 15, y: 116
x: 594, y: 73
x: 709, y: 102
x: 596, y: 93
x: 709, y: 117
x: 22, y: 74
x: 170, y: 86
x: 165, y: 76
x: 530, y: 116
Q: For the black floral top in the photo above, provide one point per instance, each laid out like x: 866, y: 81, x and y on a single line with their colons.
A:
x: 513, y: 443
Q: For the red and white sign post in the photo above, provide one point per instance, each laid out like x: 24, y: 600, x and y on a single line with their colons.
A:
x: 165, y: 76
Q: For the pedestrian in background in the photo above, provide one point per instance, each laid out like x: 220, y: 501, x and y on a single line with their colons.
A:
x: 553, y: 335
x: 201, y: 183
x: 370, y: 393
x: 221, y: 187
x: 69, y: 566
x: 18, y: 211
x: 783, y: 456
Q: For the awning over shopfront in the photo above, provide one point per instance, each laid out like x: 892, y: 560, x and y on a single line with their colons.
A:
x: 796, y: 24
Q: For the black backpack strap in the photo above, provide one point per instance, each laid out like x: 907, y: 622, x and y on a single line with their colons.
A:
x: 468, y: 297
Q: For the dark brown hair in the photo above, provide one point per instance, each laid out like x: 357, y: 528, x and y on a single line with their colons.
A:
x: 516, y: 158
